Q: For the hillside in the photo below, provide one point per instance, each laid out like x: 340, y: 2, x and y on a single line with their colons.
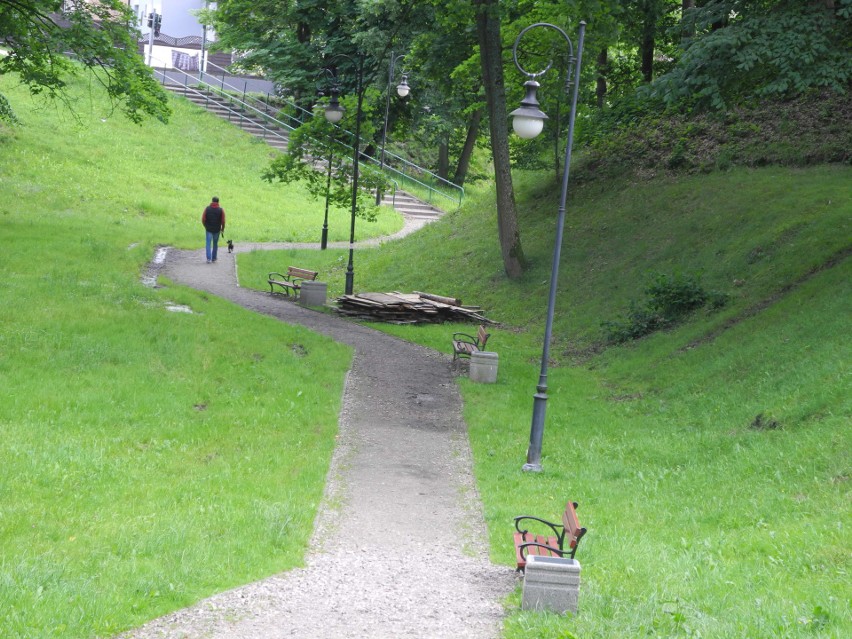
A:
x: 710, y: 459
x: 812, y: 129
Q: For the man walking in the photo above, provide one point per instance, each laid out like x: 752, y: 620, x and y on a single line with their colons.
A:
x: 213, y: 220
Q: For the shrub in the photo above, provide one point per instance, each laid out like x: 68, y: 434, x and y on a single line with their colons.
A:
x: 669, y: 299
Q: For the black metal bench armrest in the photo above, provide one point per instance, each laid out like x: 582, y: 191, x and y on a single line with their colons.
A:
x: 280, y: 275
x: 557, y: 529
x: 470, y: 338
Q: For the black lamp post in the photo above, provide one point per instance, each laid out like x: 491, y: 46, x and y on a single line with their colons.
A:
x: 402, y: 90
x: 324, y: 237
x: 528, y: 122
x: 334, y: 113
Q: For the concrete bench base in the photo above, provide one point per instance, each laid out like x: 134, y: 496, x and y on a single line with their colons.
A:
x: 313, y: 293
x: 483, y: 367
x: 551, y: 583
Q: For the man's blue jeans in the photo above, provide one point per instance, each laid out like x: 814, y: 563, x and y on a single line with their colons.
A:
x: 212, y: 246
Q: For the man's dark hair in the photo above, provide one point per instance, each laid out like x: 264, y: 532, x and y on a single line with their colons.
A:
x: 215, y: 199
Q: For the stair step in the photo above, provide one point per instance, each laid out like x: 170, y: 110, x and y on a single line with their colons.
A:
x: 277, y: 138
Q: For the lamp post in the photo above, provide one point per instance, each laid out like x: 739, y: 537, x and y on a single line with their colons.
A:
x: 324, y: 236
x: 334, y: 113
x: 528, y: 122
x: 402, y: 90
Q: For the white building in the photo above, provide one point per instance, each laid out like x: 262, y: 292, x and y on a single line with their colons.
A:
x: 178, y: 20
x: 182, y: 41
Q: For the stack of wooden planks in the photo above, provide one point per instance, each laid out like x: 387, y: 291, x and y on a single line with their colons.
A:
x: 408, y: 308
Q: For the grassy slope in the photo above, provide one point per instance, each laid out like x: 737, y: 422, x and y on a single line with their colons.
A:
x: 149, y: 458
x: 700, y: 524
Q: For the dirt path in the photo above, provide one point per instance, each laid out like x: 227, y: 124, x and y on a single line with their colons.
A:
x: 401, y: 472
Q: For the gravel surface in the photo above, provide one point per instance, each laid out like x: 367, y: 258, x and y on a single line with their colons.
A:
x: 400, y: 545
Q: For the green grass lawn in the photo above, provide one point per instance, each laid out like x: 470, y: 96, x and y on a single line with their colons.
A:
x: 148, y: 458
x: 704, y: 520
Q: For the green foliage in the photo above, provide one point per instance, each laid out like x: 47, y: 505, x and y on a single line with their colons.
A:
x: 673, y: 296
x: 292, y: 42
x: 668, y: 300
x: 6, y: 113
x: 639, y: 136
x: 314, y: 144
x: 98, y: 35
x: 743, y: 50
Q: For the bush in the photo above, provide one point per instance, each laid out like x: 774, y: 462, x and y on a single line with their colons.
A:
x: 669, y: 299
x: 674, y: 296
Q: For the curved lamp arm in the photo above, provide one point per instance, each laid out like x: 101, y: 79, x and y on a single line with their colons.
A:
x: 528, y: 120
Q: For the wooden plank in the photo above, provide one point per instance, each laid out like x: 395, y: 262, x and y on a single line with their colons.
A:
x: 450, y: 301
x: 381, y: 298
x: 407, y: 308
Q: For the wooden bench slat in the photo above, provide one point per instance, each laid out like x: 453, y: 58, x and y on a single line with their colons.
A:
x: 564, y: 544
x: 521, y: 539
x: 571, y: 523
x: 291, y: 281
x: 465, y: 345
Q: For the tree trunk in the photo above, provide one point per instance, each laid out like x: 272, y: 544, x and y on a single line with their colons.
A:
x: 685, y: 6
x: 603, y: 68
x: 646, y: 47
x: 443, y: 159
x: 467, y: 150
x: 491, y: 57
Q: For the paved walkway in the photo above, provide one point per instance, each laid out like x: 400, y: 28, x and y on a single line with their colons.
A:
x: 401, y: 472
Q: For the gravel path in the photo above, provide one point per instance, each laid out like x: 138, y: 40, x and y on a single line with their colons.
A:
x: 401, y: 472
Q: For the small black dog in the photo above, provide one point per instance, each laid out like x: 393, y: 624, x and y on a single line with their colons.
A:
x: 230, y: 246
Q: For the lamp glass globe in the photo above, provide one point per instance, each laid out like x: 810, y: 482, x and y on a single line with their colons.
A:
x: 333, y: 115
x: 527, y: 127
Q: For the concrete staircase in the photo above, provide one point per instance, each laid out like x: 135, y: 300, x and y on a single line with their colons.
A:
x: 248, y: 120
x: 276, y: 136
x: 410, y: 206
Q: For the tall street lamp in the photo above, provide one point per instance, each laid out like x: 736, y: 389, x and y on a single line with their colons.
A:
x: 324, y: 236
x: 402, y: 90
x: 334, y: 113
x: 528, y: 122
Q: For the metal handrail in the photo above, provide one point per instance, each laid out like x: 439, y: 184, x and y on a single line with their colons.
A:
x: 457, y: 201
x: 414, y: 169
x: 220, y: 89
x: 241, y: 116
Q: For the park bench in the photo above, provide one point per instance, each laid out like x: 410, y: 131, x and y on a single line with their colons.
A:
x: 560, y: 541
x: 465, y: 345
x: 291, y: 283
